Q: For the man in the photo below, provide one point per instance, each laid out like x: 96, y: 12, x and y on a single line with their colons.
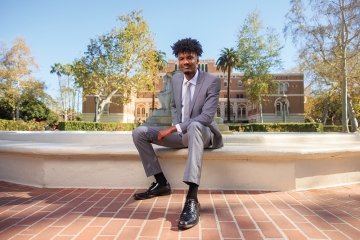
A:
x: 195, y: 97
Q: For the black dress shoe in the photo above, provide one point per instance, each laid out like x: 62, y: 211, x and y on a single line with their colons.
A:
x: 154, y: 190
x: 190, y: 214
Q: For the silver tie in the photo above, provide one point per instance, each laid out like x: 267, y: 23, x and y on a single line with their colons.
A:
x: 187, y: 101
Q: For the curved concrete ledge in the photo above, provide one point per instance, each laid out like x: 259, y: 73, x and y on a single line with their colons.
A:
x: 256, y: 161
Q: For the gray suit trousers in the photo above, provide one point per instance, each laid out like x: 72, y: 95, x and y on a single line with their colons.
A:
x: 196, y: 139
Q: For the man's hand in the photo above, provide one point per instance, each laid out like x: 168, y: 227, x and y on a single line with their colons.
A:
x: 165, y: 132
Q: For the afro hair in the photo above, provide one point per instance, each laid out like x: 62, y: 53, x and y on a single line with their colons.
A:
x: 187, y: 45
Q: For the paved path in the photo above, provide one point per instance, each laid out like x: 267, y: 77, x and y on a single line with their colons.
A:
x: 59, y: 214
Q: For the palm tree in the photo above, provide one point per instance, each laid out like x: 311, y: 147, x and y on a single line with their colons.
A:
x: 160, y: 63
x: 226, y: 62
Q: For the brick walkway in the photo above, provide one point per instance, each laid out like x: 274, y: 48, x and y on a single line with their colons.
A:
x: 35, y: 213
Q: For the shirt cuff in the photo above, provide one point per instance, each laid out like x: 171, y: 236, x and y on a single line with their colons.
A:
x: 178, y: 128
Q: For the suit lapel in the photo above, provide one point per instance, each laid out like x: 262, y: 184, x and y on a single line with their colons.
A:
x: 199, y: 84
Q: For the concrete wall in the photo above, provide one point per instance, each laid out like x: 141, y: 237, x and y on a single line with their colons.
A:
x: 258, y: 161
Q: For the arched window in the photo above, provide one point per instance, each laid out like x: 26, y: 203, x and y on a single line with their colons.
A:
x: 231, y: 111
x: 241, y: 111
x: 140, y: 111
x: 282, y: 106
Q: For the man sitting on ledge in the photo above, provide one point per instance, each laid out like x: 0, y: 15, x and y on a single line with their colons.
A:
x: 194, y: 103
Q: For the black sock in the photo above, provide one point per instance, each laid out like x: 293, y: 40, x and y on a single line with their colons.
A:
x: 193, y: 189
x: 160, y: 178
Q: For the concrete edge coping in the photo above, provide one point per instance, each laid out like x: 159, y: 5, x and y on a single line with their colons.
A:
x: 245, y: 148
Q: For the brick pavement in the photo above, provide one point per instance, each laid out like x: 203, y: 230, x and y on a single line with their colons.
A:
x: 59, y: 214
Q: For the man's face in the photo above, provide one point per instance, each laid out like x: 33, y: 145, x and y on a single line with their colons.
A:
x: 188, y: 62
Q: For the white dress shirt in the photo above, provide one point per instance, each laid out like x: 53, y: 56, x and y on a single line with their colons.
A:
x: 193, y: 82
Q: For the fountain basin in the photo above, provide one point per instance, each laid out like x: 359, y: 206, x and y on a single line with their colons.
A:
x: 248, y: 161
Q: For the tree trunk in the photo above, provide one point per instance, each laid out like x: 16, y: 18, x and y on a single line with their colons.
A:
x: 344, y: 89
x: 17, y: 115
x: 352, y: 115
x: 228, y: 95
x: 96, y: 108
x: 153, y: 97
x: 261, y: 111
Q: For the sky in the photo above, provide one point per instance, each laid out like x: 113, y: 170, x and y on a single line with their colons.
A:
x: 59, y: 31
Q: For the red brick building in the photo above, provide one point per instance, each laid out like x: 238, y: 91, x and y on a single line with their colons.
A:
x: 286, y: 104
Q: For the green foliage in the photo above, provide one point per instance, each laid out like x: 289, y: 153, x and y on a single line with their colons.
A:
x: 68, y: 90
x: 328, y: 39
x: 259, y: 53
x: 16, y: 65
x: 324, y: 107
x: 226, y: 62
x: 6, y: 110
x: 120, y: 62
x: 52, y: 119
x: 332, y: 128
x: 32, y: 108
x: 11, y: 125
x: 281, y: 127
x: 95, y: 126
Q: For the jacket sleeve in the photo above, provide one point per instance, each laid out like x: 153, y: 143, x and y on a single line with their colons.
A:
x: 208, y: 109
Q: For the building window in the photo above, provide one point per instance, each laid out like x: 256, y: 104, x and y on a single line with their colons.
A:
x: 203, y: 67
x: 231, y: 111
x: 281, y: 106
x: 140, y: 111
x: 225, y: 83
x: 239, y: 83
x: 283, y: 87
x: 241, y: 111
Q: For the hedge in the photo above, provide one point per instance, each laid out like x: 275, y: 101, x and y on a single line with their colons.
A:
x: 279, y: 127
x: 11, y: 125
x: 95, y: 126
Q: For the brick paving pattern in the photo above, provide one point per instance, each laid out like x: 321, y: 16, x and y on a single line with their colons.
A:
x: 102, y: 214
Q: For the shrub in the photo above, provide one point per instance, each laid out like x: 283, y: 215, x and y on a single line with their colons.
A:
x: 95, y: 126
x: 11, y: 125
x: 332, y: 128
x: 281, y: 127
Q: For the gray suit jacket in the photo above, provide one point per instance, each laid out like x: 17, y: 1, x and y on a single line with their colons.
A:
x: 203, y: 105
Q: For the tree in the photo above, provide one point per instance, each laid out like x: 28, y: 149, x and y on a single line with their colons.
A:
x: 67, y: 88
x: 324, y: 106
x: 327, y: 35
x: 258, y: 54
x: 16, y: 66
x: 117, y: 63
x: 31, y: 104
x: 226, y: 62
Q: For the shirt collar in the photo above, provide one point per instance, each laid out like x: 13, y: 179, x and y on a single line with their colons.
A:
x: 193, y: 81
